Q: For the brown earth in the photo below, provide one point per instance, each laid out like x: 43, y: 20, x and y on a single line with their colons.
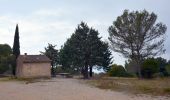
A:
x: 63, y: 89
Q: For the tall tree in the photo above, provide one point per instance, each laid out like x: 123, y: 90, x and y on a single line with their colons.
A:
x: 16, y: 47
x: 136, y: 35
x: 66, y: 57
x: 52, y: 54
x: 84, y: 50
x: 5, y: 57
x: 80, y: 49
x: 106, y: 57
x: 94, y: 49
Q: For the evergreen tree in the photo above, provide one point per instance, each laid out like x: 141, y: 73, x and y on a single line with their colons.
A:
x: 80, y: 48
x: 136, y: 35
x: 83, y: 50
x: 66, y: 57
x: 106, y: 57
x: 5, y: 58
x: 94, y: 46
x: 5, y: 50
x: 52, y: 54
x: 16, y: 47
x: 99, y: 52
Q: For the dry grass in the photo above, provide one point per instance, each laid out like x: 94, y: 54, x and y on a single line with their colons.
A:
x: 158, y: 87
x: 4, y: 79
x: 25, y: 80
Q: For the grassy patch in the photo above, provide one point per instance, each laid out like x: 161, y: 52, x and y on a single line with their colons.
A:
x: 167, y: 90
x: 134, y: 85
x: 25, y: 80
x: 4, y: 79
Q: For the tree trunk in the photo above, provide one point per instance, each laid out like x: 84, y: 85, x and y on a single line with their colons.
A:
x: 139, y: 71
x: 13, y: 70
x: 139, y: 64
x: 14, y: 67
x: 91, y: 71
x: 86, y: 72
x: 52, y: 71
x: 86, y: 64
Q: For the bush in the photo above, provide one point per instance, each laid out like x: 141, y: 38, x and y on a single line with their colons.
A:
x: 4, y: 64
x: 117, y: 70
x: 168, y: 69
x: 3, y: 68
x: 149, y: 68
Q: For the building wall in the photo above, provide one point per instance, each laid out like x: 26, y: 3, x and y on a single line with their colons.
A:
x: 19, y: 67
x: 30, y: 70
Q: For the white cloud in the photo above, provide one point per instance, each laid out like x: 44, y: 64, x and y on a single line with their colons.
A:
x: 35, y: 33
x: 50, y: 12
x: 54, y: 21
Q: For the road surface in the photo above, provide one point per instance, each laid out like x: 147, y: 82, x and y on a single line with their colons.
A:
x: 62, y: 89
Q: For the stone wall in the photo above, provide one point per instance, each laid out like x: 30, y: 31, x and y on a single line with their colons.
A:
x: 31, y: 70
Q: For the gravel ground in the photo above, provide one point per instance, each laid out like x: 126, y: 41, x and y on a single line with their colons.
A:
x: 62, y: 89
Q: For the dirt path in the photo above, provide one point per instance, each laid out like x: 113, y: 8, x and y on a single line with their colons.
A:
x: 61, y: 89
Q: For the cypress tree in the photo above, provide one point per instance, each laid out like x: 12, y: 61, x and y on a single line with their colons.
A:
x: 16, y: 47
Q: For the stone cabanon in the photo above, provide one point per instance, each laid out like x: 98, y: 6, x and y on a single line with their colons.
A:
x: 33, y: 66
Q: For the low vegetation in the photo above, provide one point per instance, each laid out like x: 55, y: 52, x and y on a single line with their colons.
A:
x: 149, y: 67
x: 159, y: 86
x: 118, y: 71
x: 5, y: 79
x: 25, y: 80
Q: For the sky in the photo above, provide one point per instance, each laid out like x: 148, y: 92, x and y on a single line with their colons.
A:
x: 53, y: 21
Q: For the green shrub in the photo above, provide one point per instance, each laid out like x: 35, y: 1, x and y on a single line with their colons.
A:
x: 4, y: 64
x: 117, y: 70
x: 149, y: 67
x: 3, y: 68
x: 168, y: 69
x: 158, y: 75
x: 5, y: 57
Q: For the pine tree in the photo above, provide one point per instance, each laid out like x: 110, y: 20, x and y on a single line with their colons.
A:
x: 66, y: 57
x: 52, y: 54
x: 93, y: 43
x: 83, y: 50
x: 80, y: 48
x: 136, y: 35
x: 106, y: 57
x: 16, y: 47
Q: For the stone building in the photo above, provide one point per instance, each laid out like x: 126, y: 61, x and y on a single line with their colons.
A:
x: 33, y: 66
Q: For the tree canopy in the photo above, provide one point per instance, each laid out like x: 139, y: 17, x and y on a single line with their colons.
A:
x: 5, y: 50
x: 84, y: 50
x: 136, y: 35
x: 52, y: 54
x: 5, y: 57
x: 16, y: 47
x: 16, y: 44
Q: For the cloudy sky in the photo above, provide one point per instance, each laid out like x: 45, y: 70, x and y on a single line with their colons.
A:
x: 53, y: 21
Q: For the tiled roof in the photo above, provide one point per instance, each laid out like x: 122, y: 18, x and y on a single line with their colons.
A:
x: 34, y: 58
